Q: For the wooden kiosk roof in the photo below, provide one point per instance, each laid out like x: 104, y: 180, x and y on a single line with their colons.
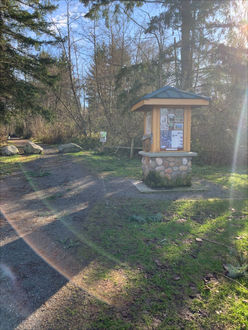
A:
x: 170, y: 96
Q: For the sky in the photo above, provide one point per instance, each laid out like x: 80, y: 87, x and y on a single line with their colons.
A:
x: 82, y: 30
x: 81, y: 27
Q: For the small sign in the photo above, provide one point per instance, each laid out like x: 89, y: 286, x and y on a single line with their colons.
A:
x: 177, y: 139
x: 103, y: 137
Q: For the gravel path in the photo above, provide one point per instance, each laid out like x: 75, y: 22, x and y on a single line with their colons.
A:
x: 43, y: 208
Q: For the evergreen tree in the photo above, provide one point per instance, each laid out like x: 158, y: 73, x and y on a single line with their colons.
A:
x: 23, y: 30
x: 198, y: 24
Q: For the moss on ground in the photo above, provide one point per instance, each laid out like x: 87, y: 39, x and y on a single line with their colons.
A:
x: 10, y: 164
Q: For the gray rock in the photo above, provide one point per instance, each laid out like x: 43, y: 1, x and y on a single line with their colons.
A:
x: 166, y: 163
x: 159, y: 168
x: 170, y: 159
x: 69, y: 147
x: 32, y: 148
x: 9, y: 150
x: 159, y: 161
x: 152, y: 163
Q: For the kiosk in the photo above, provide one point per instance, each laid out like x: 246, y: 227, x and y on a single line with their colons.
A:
x: 166, y: 153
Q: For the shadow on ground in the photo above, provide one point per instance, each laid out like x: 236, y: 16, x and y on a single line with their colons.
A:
x: 69, y: 259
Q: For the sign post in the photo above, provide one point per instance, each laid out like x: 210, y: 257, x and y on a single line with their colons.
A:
x: 103, y: 139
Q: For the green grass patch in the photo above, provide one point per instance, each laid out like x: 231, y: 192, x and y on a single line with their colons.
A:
x: 124, y: 167
x: 224, y: 176
x: 168, y: 273
x: 10, y: 164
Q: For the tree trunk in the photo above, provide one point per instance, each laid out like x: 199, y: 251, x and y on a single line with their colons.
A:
x: 132, y: 148
x: 186, y: 54
x: 175, y: 61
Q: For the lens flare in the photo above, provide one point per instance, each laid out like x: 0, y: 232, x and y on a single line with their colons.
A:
x: 40, y: 243
x: 241, y: 137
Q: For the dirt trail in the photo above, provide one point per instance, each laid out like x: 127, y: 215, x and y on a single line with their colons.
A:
x: 43, y: 206
x: 43, y: 210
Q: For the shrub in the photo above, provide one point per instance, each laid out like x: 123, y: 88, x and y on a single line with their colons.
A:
x: 87, y: 142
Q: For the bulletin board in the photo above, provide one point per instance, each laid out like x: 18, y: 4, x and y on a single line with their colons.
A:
x: 171, y: 129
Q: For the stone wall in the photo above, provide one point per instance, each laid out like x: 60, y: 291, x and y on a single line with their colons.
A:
x: 170, y: 168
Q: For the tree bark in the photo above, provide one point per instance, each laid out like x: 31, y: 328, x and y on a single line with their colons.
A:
x: 186, y: 58
x: 132, y: 148
x: 175, y: 61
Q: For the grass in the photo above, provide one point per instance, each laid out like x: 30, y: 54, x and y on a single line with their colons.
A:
x: 159, y: 264
x: 168, y: 274
x: 224, y: 176
x: 10, y: 164
x: 120, y: 166
x: 113, y: 165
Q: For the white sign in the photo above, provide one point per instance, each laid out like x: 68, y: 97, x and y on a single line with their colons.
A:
x: 177, y: 139
x: 103, y: 137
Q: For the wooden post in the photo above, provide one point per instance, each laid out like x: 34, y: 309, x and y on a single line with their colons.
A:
x: 155, y: 130
x: 145, y: 114
x: 187, y: 129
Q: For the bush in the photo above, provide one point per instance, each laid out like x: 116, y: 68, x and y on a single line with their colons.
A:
x: 87, y: 142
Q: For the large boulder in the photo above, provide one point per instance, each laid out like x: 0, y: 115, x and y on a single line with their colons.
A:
x: 32, y: 148
x: 9, y: 150
x: 69, y: 147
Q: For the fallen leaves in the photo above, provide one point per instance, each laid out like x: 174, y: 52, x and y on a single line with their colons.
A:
x: 176, y: 278
x: 239, y: 237
x: 181, y: 220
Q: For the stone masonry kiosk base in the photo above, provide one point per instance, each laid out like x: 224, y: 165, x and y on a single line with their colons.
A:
x: 172, y: 168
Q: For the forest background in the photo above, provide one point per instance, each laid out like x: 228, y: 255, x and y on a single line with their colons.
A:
x: 71, y: 71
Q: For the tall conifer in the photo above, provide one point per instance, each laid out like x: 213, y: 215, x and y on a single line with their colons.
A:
x: 23, y: 30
